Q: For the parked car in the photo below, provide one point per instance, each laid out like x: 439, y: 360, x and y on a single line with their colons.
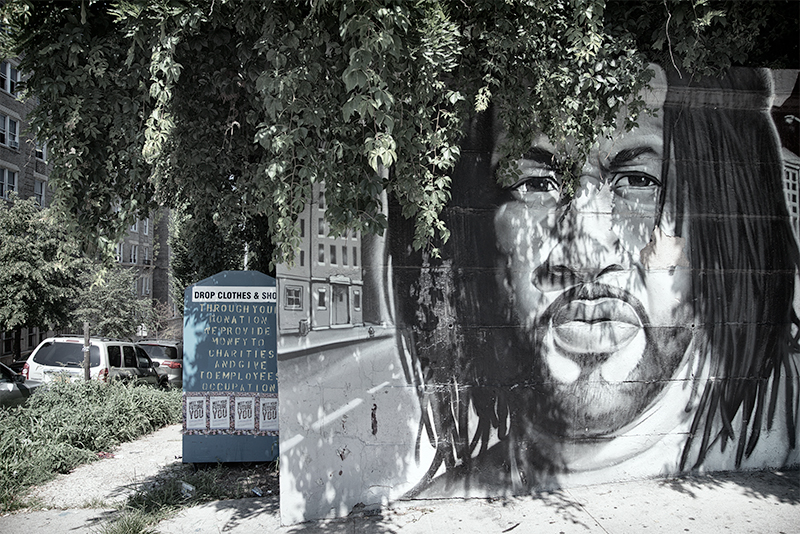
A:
x: 14, y: 388
x: 62, y: 358
x: 169, y: 355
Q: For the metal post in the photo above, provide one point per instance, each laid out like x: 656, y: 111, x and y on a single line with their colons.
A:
x: 86, y: 372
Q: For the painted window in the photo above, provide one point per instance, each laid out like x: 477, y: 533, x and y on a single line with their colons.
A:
x: 293, y: 298
x: 322, y: 298
x: 357, y: 299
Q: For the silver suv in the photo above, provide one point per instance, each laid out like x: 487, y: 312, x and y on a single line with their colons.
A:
x: 62, y: 358
x: 169, y: 355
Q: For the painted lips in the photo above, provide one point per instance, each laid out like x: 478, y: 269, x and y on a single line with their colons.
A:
x: 597, y: 325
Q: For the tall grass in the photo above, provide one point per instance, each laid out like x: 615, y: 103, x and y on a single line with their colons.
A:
x: 67, y: 424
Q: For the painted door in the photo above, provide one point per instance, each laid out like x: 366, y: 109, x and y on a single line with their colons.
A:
x: 340, y: 306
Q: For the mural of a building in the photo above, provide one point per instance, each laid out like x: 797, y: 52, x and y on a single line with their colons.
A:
x: 323, y: 289
x: 645, y: 326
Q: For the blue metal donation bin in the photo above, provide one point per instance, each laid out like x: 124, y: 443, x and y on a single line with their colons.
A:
x: 230, y: 383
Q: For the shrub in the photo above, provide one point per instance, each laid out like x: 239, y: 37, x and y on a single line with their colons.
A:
x: 67, y: 424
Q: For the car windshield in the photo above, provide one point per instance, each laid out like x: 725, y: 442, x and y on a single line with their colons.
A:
x: 161, y: 352
x: 65, y: 354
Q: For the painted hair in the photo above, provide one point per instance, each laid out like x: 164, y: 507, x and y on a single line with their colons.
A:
x: 456, y: 331
x: 727, y: 160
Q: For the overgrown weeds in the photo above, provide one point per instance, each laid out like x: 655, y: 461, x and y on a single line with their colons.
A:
x: 66, y: 424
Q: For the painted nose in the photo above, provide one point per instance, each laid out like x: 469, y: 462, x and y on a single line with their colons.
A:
x: 587, y: 246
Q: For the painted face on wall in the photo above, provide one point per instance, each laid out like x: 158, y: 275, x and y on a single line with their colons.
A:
x: 599, y: 285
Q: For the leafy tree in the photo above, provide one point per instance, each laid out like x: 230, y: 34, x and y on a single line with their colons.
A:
x: 234, y: 108
x: 39, y: 267
x: 109, y: 304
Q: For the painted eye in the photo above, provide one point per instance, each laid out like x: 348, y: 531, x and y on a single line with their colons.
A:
x: 535, y: 184
x: 635, y: 179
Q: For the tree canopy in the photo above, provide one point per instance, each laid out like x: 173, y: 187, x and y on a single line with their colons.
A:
x: 234, y: 108
x: 108, y: 303
x: 39, y: 268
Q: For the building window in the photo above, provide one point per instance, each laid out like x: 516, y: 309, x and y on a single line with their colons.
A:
x: 302, y: 258
x: 120, y: 254
x: 791, y: 186
x: 321, y: 258
x: 146, y: 255
x: 145, y: 285
x: 333, y: 254
x: 357, y: 299
x: 9, y: 77
x: 355, y: 256
x: 321, y: 198
x: 293, y: 298
x: 344, y: 254
x: 321, y: 227
x: 146, y: 226
x: 38, y: 192
x: 41, y: 151
x: 8, y: 182
x: 135, y: 226
x: 134, y: 253
x: 8, y: 131
x: 7, y: 339
x: 13, y: 140
x: 322, y: 299
x: 302, y: 227
x: 31, y: 337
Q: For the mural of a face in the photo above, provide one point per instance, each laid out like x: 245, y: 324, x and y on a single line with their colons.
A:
x: 599, y: 285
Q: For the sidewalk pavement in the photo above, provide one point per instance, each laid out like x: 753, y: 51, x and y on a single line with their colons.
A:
x: 749, y: 502
x: 754, y: 502
x: 294, y: 345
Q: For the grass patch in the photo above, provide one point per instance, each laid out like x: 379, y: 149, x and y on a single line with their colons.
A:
x: 185, y: 486
x: 66, y: 424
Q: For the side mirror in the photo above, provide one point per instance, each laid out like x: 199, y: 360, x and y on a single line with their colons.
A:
x: 19, y: 379
x: 155, y: 364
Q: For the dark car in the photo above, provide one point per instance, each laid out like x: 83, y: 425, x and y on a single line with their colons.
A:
x: 169, y: 355
x: 14, y: 388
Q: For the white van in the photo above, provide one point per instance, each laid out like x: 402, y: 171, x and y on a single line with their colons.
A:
x: 62, y: 358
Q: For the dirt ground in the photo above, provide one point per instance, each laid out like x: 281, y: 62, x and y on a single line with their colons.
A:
x: 117, y: 474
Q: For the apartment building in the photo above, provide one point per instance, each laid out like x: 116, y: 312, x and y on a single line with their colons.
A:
x: 24, y: 170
